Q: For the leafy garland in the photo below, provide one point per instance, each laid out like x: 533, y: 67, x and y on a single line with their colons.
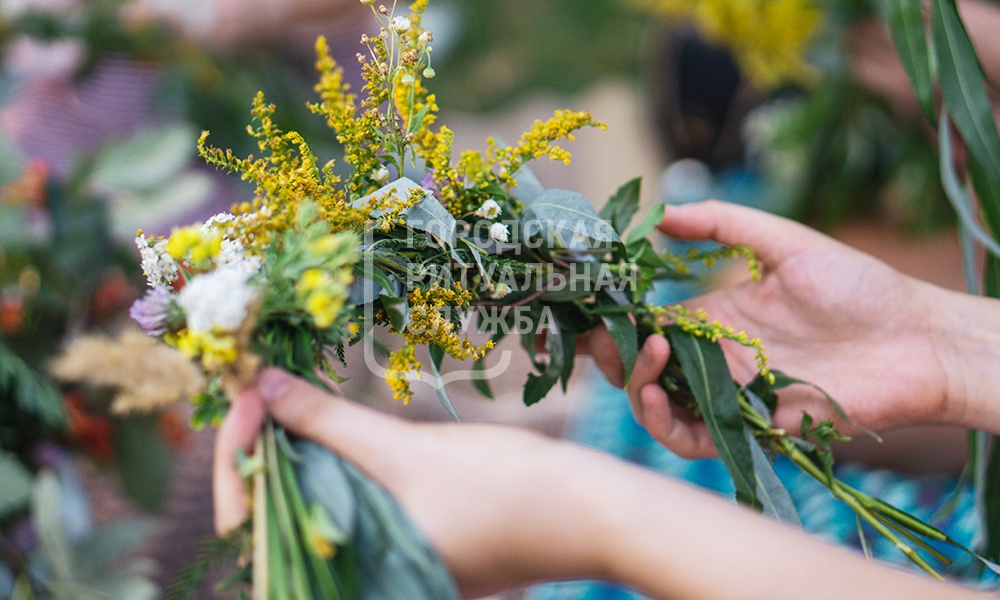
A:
x: 317, y: 262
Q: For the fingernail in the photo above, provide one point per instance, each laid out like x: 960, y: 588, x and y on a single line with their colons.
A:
x: 645, y: 353
x: 272, y: 383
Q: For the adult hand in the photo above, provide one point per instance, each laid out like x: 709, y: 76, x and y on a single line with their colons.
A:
x: 503, y: 507
x: 825, y: 312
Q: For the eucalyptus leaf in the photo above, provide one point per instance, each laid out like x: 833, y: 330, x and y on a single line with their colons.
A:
x: 162, y: 204
x: 565, y: 215
x: 437, y: 357
x: 394, y: 560
x: 712, y: 385
x: 479, y: 380
x: 428, y: 215
x: 15, y: 493
x: 528, y: 186
x: 12, y: 161
x: 149, y: 158
x: 47, y: 519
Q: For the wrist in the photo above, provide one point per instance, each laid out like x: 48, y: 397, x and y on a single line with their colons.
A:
x: 966, y: 338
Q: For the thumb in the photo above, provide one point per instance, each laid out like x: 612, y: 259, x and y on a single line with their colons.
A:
x: 358, y: 433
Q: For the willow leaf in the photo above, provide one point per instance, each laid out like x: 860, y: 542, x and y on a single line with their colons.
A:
x: 712, y: 386
x: 774, y: 497
x: 906, y: 23
x: 961, y: 79
x: 957, y: 196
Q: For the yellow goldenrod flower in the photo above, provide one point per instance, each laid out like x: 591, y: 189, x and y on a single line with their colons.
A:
x: 768, y: 38
x: 402, y: 362
x: 189, y: 243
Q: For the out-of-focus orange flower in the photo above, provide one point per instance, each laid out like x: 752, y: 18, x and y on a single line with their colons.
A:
x: 11, y: 314
x: 30, y: 188
x: 112, y: 297
x: 174, y: 429
x: 93, y: 432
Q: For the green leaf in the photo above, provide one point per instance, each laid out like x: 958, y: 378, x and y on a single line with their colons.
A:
x: 428, y: 215
x: 479, y: 381
x: 113, y: 541
x: 397, y: 310
x: 712, y: 385
x: 167, y: 203
x: 15, y: 493
x: 622, y: 206
x: 987, y: 186
x: 528, y: 187
x: 961, y: 78
x: 565, y: 214
x: 437, y: 357
x: 990, y: 495
x: 648, y: 224
x: 418, y: 120
x: 151, y: 157
x: 623, y: 332
x: 783, y: 380
x: 960, y: 200
x: 143, y: 459
x: 33, y: 393
x: 47, y: 519
x: 775, y: 500
x: 906, y: 23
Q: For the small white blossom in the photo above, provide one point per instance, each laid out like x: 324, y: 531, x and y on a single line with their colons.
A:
x: 500, y: 232
x: 159, y: 267
x: 424, y: 37
x: 232, y: 255
x: 218, y: 219
x: 500, y: 290
x: 429, y: 73
x: 400, y: 24
x: 489, y: 210
x: 380, y: 175
x: 217, y: 299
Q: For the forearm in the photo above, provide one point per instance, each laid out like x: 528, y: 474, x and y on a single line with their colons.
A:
x: 673, y: 541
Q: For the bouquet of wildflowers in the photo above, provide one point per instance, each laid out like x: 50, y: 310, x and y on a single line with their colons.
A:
x: 413, y: 240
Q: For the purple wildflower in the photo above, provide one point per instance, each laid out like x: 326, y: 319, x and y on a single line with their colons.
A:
x: 152, y: 311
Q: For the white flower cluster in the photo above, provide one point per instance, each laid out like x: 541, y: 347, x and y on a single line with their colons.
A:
x: 159, y: 267
x: 489, y: 210
x: 216, y: 300
x: 500, y: 232
x: 500, y: 290
x: 400, y: 24
x: 232, y: 254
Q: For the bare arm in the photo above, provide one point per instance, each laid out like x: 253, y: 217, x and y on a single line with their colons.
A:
x: 506, y: 508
